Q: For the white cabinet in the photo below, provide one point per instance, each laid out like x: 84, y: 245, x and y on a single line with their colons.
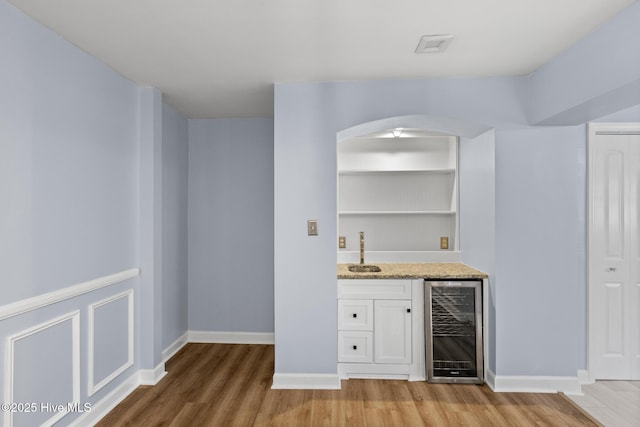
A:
x: 392, y: 333
x: 375, y: 333
x: 402, y: 192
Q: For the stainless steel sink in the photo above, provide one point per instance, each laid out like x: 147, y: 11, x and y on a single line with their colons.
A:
x: 364, y: 268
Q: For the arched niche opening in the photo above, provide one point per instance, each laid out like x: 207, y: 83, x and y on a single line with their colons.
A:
x: 399, y: 183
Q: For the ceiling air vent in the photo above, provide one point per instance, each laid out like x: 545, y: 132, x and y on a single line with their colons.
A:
x: 435, y: 43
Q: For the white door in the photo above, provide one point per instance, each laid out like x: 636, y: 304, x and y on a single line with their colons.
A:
x: 392, y: 331
x: 614, y: 256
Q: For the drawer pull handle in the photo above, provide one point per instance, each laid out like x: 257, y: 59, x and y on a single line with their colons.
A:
x: 355, y: 315
x: 355, y: 347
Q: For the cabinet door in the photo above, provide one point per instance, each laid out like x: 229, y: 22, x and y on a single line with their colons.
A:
x: 392, y: 331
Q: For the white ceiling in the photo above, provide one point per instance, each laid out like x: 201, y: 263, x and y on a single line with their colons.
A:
x: 220, y: 58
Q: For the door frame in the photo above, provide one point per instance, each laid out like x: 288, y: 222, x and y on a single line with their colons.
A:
x: 594, y: 129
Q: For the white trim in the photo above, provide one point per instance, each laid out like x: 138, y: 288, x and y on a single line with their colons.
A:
x: 39, y: 301
x: 231, y: 337
x: 584, y: 377
x: 11, y: 340
x: 490, y: 379
x: 105, y: 405
x: 374, y: 371
x: 152, y: 376
x: 306, y: 381
x: 175, y: 347
x: 92, y: 387
x: 102, y: 407
x: 533, y: 384
x: 613, y: 128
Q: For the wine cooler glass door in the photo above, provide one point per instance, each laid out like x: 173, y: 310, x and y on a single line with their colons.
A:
x: 454, y: 331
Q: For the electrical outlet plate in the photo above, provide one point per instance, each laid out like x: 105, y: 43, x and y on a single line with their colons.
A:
x: 342, y: 242
x: 312, y: 227
x: 444, y: 243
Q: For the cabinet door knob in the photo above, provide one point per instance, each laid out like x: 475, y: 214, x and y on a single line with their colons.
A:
x: 355, y: 315
x: 408, y: 310
x: 355, y: 347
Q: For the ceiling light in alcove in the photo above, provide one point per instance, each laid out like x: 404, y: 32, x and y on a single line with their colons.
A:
x: 397, y: 132
x: 434, y: 43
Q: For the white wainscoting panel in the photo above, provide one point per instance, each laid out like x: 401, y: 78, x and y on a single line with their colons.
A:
x: 10, y: 358
x: 128, y: 331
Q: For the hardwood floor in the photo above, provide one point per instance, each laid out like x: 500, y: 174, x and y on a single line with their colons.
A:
x: 229, y: 385
x: 613, y: 403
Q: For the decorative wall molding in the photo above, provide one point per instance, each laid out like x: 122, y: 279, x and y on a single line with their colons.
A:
x: 306, y: 381
x: 231, y: 337
x: 25, y: 305
x: 92, y: 387
x: 175, y: 347
x: 74, y: 318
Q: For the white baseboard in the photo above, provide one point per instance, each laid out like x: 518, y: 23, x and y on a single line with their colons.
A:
x: 533, y: 384
x: 231, y: 337
x: 490, y: 379
x: 175, y: 347
x: 107, y: 403
x: 584, y: 377
x: 152, y: 376
x: 306, y: 381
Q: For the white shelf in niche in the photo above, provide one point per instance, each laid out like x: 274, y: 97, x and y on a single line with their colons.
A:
x: 402, y: 194
x: 397, y: 213
x: 399, y: 171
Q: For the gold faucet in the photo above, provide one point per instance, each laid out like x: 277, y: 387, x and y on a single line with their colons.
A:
x: 362, y: 247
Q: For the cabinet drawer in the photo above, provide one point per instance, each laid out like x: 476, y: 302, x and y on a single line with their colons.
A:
x: 355, y: 346
x: 374, y: 288
x: 355, y: 315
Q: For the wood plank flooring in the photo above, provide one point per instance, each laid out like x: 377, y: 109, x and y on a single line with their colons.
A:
x: 230, y: 385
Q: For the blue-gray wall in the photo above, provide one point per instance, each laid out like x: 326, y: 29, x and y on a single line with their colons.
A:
x: 231, y: 225
x: 95, y: 179
x: 540, y: 187
x: 68, y: 209
x: 175, y: 162
x: 540, y: 251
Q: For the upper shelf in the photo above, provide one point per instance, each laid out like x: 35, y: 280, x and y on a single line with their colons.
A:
x: 400, y: 171
x: 397, y: 213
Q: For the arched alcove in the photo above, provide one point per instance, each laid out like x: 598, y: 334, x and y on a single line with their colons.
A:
x: 423, y: 122
x: 400, y: 180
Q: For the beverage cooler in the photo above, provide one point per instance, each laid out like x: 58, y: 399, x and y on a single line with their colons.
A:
x: 453, y: 317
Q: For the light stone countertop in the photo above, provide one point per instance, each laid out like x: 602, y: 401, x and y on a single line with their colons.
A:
x: 436, y: 270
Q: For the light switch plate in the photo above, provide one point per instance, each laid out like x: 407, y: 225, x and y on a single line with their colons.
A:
x: 444, y: 243
x: 312, y: 227
x: 342, y: 242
